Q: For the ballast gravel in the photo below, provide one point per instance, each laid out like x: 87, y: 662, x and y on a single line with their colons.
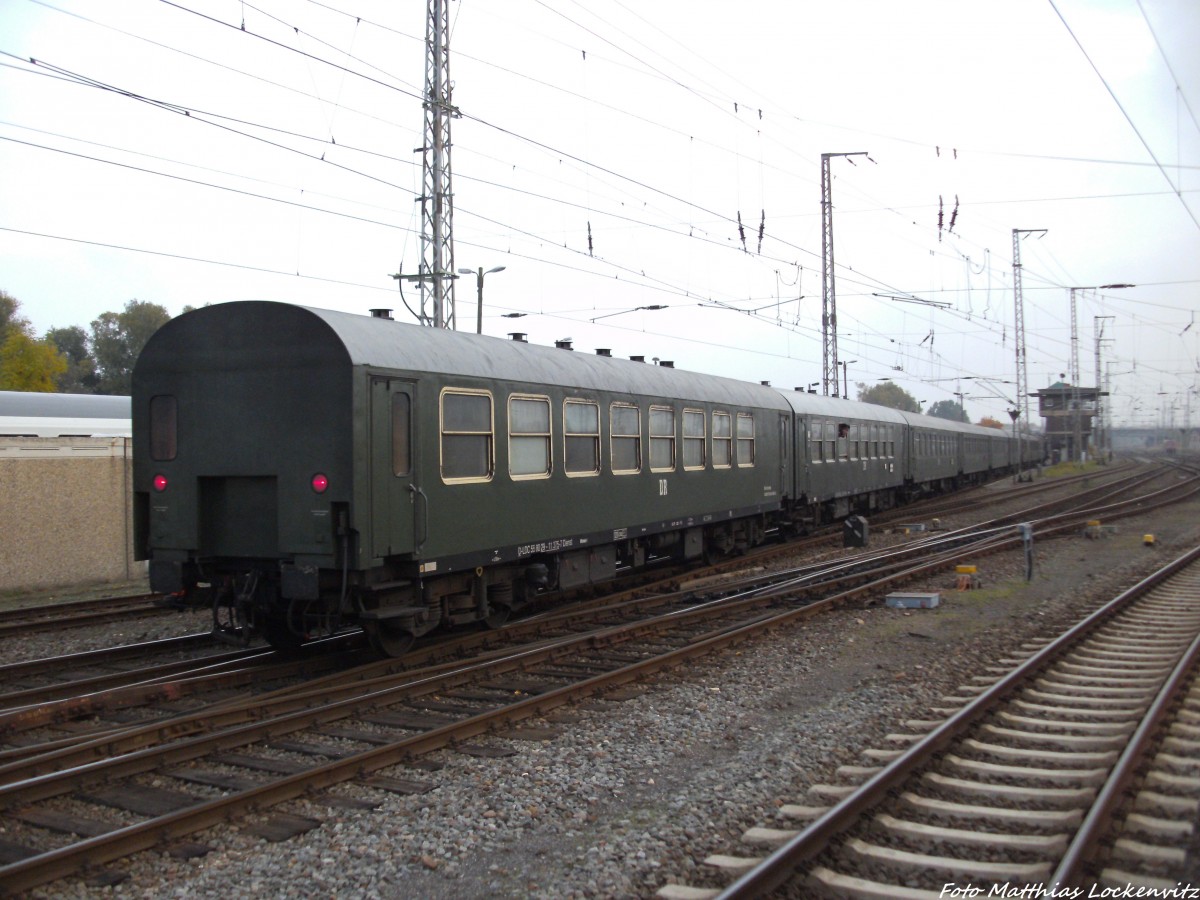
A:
x: 626, y: 796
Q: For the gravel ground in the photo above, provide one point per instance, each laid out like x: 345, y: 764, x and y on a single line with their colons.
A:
x: 631, y: 795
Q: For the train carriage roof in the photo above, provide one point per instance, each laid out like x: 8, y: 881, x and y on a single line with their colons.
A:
x: 32, y: 404
x: 835, y: 408
x: 267, y: 332
x: 916, y: 420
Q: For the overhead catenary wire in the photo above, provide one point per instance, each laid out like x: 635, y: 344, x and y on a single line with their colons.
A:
x: 862, y: 274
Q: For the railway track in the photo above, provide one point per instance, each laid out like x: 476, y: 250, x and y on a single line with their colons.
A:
x: 1024, y: 776
x: 169, y: 780
x: 27, y: 620
x: 41, y: 618
x: 58, y: 716
x: 300, y: 733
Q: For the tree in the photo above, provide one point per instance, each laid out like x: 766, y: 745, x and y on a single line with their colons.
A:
x: 887, y: 393
x: 80, y: 374
x: 27, y: 364
x: 10, y: 321
x: 989, y: 422
x: 949, y: 409
x: 118, y: 338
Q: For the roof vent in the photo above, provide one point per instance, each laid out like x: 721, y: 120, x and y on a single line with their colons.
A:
x: 765, y: 383
x: 519, y: 336
x: 603, y: 351
x: 667, y: 363
x: 381, y: 314
x: 564, y: 344
x: 640, y: 359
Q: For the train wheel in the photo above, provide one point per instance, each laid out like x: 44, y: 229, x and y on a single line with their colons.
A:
x: 500, y: 604
x: 277, y: 633
x: 497, y: 616
x: 389, y: 640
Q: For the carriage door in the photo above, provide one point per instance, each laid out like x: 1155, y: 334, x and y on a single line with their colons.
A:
x: 396, y: 502
x: 785, y: 454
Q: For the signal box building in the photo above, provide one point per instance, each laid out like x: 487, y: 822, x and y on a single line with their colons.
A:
x: 1067, y: 413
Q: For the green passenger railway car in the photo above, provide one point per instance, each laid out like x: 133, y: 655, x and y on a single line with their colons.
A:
x: 310, y: 471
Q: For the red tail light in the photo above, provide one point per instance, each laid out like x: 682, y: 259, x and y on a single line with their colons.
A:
x: 320, y: 483
x: 160, y: 483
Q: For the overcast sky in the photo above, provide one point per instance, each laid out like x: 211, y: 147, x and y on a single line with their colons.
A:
x: 213, y: 150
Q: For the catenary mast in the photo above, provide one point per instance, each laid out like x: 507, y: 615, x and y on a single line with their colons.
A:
x: 829, y: 357
x: 435, y: 276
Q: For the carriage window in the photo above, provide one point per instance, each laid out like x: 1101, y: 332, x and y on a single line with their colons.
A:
x: 722, y: 443
x: 466, y: 436
x: 581, y: 431
x: 164, y: 427
x: 745, y: 439
x: 625, y: 430
x: 401, y: 444
x: 529, y: 437
x: 693, y: 439
x: 830, y: 442
x: 662, y: 439
x: 843, y: 440
x: 814, y: 441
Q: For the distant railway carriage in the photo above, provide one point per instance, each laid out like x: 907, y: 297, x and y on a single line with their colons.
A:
x: 320, y: 469
x: 34, y: 414
x: 851, y: 456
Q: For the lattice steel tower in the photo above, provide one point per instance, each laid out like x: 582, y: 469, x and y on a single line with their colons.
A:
x: 829, y: 356
x: 1018, y: 302
x: 435, y: 275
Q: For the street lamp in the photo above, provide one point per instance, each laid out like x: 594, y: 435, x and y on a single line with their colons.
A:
x: 1076, y: 402
x: 635, y: 309
x: 479, y: 273
x: 845, y: 381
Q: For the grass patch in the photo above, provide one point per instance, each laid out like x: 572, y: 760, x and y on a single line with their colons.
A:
x: 1063, y: 469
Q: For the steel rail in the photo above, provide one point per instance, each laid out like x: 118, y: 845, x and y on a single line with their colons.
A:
x: 791, y: 583
x: 775, y: 871
x: 132, y: 838
x: 94, y: 657
x: 1071, y: 868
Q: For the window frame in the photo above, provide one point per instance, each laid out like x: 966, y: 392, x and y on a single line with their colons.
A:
x: 657, y: 439
x: 163, y: 417
x: 490, y: 435
x: 592, y: 437
x: 547, y: 436
x: 614, y: 436
x: 689, y: 440
x: 402, y: 449
x: 725, y: 441
x: 746, y: 441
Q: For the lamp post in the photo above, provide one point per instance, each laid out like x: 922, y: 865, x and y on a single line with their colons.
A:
x: 479, y: 273
x: 845, y: 380
x: 1076, y: 402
